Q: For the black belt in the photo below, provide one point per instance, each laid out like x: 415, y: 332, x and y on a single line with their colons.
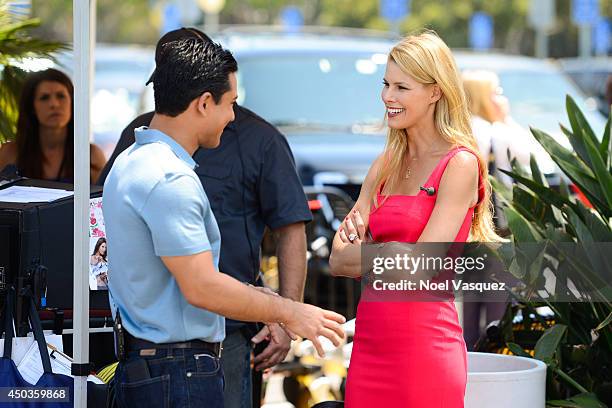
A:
x: 135, y: 344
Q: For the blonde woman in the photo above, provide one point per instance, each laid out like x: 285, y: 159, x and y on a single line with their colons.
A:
x: 495, y: 131
x: 429, y: 185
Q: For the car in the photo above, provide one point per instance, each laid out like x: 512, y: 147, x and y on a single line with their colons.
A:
x: 590, y: 74
x: 321, y: 88
x: 323, y: 92
x: 536, y: 90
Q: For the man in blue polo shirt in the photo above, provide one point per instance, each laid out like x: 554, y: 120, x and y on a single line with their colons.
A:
x: 164, y: 243
x: 252, y: 184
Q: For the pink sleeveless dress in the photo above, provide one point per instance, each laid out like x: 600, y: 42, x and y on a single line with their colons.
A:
x: 408, y: 354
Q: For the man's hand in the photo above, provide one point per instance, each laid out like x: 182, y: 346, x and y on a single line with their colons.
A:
x: 310, y: 322
x: 277, y: 349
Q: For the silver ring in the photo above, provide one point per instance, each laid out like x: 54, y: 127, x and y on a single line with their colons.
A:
x: 352, y: 237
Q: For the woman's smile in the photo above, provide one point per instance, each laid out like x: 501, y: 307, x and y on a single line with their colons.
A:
x: 393, y: 112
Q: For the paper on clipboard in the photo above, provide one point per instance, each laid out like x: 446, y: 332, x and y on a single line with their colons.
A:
x: 21, y: 345
x: 27, y: 194
x: 31, y: 368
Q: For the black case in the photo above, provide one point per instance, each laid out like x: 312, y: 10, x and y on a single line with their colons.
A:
x: 42, y: 233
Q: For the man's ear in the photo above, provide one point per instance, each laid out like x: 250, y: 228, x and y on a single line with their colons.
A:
x: 436, y: 93
x: 203, y: 103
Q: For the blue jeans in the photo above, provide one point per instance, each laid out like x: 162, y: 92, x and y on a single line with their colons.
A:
x: 236, y: 362
x: 178, y: 378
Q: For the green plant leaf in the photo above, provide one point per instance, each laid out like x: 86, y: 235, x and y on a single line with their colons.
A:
x: 579, y: 122
x: 15, y: 44
x: 10, y: 30
x: 601, y: 171
x: 605, y: 147
x: 587, y: 400
x: 599, y: 229
x: 516, y: 270
x: 516, y: 167
x: 536, y: 174
x: 549, y: 342
x: 562, y: 156
x: 503, y: 192
x: 569, y: 380
x: 563, y: 189
x: 522, y: 230
x: 557, y: 234
x: 544, y: 193
x: 582, y: 232
x: 575, y: 169
x: 606, y: 322
x: 562, y: 403
x: 578, y: 401
x: 518, y: 350
x: 577, y: 142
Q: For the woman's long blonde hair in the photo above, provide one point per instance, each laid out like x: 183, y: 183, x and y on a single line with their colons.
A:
x: 428, y: 60
x: 479, y: 87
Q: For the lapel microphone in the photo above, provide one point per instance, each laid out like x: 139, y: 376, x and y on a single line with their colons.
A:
x: 429, y: 190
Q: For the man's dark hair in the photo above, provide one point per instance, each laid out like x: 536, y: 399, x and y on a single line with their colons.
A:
x: 188, y: 68
x: 175, y: 35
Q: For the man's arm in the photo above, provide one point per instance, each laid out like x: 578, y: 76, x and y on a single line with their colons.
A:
x: 206, y: 288
x: 291, y: 254
x: 284, y: 209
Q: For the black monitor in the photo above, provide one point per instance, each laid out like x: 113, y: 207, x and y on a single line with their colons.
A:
x: 40, y: 235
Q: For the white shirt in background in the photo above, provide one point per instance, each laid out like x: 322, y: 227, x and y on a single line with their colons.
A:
x: 499, y: 137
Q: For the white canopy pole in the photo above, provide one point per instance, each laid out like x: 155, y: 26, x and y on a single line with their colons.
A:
x: 82, y: 92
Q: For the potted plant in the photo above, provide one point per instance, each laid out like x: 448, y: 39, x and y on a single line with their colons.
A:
x: 575, y: 340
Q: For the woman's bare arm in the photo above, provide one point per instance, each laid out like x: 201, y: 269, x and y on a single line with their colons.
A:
x: 345, y: 259
x: 97, y: 162
x: 458, y: 191
x: 8, y: 154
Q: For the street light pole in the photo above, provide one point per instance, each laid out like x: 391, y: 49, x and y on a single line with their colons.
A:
x: 211, y: 21
x: 585, y: 40
x: 211, y: 9
x: 541, y: 45
x: 541, y: 17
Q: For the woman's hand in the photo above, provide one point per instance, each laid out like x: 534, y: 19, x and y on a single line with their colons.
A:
x: 352, y: 230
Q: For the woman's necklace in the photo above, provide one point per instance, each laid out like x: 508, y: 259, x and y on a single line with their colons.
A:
x: 408, y: 170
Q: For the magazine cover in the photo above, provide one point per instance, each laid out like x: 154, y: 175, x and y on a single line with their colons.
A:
x: 98, y: 260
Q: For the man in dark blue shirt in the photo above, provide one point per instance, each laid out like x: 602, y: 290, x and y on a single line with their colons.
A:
x: 252, y: 183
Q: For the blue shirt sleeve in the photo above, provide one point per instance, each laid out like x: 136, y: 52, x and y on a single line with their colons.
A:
x: 281, y: 194
x: 174, y: 212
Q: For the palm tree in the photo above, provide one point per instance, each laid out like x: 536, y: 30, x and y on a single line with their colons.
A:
x: 15, y: 48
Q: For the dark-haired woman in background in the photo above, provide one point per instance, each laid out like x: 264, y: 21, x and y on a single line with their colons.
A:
x: 44, y: 144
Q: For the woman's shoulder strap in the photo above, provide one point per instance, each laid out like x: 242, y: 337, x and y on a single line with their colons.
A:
x: 438, y: 172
